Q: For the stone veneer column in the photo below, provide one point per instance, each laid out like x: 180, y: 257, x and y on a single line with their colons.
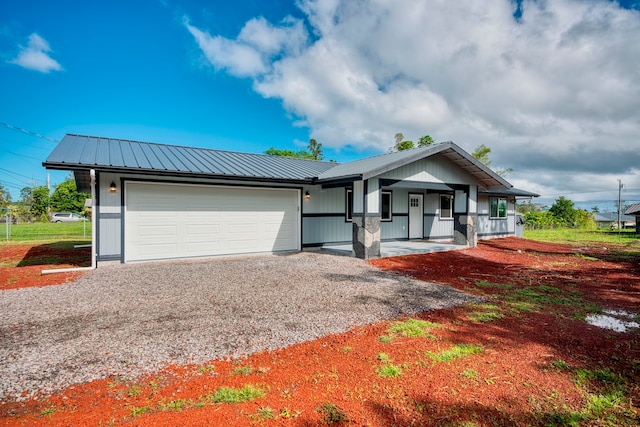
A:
x: 366, y: 236
x: 465, y: 230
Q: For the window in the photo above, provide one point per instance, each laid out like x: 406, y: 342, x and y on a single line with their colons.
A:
x: 349, y: 204
x: 386, y: 206
x: 446, y: 203
x: 498, y: 207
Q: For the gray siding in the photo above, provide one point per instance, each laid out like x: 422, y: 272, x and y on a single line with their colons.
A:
x: 432, y: 169
x: 109, y: 217
x: 488, y: 227
x: 323, y: 216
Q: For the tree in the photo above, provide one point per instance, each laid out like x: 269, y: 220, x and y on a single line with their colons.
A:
x: 401, y: 144
x: 37, y: 200
x: 66, y: 198
x: 5, y: 197
x: 313, y: 151
x: 481, y: 153
x: 315, y: 148
x: 563, y: 209
x: 425, y: 141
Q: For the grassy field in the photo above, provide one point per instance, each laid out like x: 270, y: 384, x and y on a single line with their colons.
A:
x: 45, y: 231
x: 571, y: 236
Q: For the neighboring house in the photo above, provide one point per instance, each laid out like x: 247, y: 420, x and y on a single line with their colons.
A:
x: 610, y: 220
x: 634, y: 210
x: 156, y: 201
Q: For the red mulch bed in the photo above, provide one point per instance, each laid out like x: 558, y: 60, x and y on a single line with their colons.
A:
x: 525, y: 374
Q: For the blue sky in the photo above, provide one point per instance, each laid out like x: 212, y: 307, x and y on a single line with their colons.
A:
x: 553, y: 91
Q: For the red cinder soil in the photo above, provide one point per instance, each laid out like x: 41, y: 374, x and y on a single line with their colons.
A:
x: 21, y: 265
x: 524, y: 373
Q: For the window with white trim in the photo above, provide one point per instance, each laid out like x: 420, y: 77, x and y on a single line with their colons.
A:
x: 446, y: 206
x: 498, y: 207
x: 386, y: 212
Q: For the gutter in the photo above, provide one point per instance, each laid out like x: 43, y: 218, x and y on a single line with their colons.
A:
x: 92, y: 173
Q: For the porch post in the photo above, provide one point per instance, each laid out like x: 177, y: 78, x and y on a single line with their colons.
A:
x: 465, y: 217
x: 366, y: 219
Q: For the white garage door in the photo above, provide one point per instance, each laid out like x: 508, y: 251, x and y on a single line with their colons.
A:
x: 186, y: 220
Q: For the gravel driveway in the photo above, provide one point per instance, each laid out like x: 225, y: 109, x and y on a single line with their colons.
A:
x: 132, y: 319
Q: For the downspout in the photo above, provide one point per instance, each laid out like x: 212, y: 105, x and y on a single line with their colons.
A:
x: 92, y: 173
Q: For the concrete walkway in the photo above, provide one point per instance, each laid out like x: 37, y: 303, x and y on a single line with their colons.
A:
x: 405, y: 247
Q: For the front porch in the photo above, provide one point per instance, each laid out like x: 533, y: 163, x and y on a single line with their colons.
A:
x: 396, y: 248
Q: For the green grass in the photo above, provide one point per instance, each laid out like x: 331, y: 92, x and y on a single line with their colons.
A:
x: 244, y: 370
x: 332, y: 414
x: 383, y: 357
x: 455, y: 352
x: 485, y: 313
x: 410, y: 328
x: 174, y: 405
x: 265, y: 413
x: 578, y: 236
x: 50, y: 410
x: 236, y: 395
x: 470, y: 374
x: 389, y: 371
x: 46, y: 231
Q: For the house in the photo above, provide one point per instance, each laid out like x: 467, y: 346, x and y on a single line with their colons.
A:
x: 634, y: 210
x: 610, y: 220
x: 154, y: 201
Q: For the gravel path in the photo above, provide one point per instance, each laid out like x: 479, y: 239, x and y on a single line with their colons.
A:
x: 132, y: 319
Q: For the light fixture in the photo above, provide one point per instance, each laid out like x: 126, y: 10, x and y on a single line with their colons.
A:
x: 112, y: 187
x: 307, y: 195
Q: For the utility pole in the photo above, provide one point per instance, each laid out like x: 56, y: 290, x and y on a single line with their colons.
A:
x: 620, y: 185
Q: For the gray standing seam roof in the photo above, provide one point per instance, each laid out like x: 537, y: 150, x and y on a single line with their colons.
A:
x: 633, y: 209
x: 79, y: 152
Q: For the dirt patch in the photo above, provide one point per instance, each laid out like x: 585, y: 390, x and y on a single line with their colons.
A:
x: 525, y: 357
x: 21, y: 265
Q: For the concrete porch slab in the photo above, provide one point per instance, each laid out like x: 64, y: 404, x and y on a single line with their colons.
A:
x: 405, y: 247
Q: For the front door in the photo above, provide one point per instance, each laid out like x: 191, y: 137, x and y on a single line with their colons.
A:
x: 416, y: 217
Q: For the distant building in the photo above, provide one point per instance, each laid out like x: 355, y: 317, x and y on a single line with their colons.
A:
x: 635, y: 210
x: 610, y: 220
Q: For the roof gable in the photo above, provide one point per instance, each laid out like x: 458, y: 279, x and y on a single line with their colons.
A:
x: 377, y: 165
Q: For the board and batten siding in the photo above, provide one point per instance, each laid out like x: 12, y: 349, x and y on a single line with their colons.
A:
x: 109, y: 218
x: 433, y: 169
x: 324, y: 216
x: 495, y: 227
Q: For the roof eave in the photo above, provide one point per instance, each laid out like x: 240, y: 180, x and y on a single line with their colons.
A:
x: 182, y: 174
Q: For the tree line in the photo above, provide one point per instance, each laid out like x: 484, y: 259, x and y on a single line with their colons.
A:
x: 36, y: 203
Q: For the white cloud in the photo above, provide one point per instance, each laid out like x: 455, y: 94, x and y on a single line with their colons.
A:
x: 36, y: 56
x: 556, y: 91
x: 258, y: 44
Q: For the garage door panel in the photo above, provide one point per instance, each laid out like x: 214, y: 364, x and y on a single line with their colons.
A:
x: 178, y: 220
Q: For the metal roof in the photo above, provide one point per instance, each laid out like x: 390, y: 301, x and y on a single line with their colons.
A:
x: 374, y: 166
x: 612, y: 216
x: 633, y: 210
x: 510, y: 192
x: 79, y: 152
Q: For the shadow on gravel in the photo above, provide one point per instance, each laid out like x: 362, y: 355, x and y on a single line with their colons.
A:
x: 57, y: 253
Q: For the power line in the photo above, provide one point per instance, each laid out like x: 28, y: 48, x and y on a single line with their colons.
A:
x: 20, y: 155
x: 28, y: 132
x: 17, y: 174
